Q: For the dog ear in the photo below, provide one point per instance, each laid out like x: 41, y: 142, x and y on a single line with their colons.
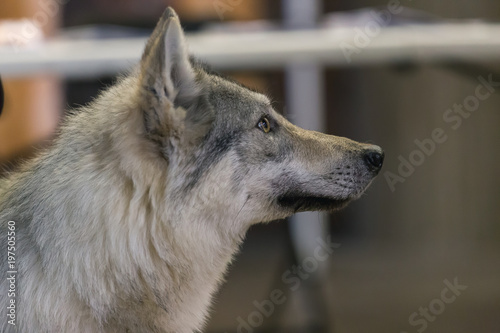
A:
x: 167, y: 77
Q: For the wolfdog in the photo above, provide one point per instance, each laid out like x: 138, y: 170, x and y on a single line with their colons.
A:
x: 128, y: 222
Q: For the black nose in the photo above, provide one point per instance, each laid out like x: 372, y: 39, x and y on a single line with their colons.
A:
x: 374, y: 160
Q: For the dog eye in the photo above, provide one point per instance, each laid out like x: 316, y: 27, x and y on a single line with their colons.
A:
x: 264, y: 125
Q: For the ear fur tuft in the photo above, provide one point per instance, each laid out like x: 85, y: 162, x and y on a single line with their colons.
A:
x: 168, y: 80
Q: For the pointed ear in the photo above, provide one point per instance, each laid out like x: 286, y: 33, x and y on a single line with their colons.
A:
x: 167, y: 78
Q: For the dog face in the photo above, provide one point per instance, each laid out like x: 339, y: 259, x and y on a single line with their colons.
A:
x: 211, y: 130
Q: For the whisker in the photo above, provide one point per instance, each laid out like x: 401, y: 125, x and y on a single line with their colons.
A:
x: 242, y: 207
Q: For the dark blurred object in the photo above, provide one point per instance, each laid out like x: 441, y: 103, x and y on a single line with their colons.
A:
x: 1, y: 96
x: 127, y: 12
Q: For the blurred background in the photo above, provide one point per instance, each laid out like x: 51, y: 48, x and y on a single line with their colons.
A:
x: 420, y: 252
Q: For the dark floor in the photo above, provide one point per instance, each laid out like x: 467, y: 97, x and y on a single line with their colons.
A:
x: 366, y: 288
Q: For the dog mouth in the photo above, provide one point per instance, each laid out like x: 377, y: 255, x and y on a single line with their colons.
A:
x: 304, y: 202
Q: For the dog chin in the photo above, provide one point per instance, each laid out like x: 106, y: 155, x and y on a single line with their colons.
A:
x: 304, y: 203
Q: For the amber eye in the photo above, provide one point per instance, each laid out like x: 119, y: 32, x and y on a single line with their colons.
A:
x: 264, y: 125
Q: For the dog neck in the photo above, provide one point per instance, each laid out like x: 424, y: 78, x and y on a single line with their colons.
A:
x: 181, y: 256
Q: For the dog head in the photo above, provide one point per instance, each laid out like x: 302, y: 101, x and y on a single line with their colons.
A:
x: 227, y: 149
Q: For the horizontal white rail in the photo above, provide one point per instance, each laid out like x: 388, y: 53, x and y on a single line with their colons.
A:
x: 263, y: 50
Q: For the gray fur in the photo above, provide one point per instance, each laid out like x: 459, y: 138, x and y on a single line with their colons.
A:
x: 128, y: 222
